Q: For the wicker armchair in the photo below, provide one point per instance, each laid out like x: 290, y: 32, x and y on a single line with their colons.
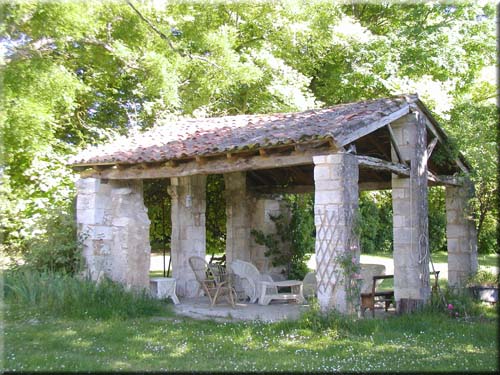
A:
x: 213, y: 280
x: 250, y: 277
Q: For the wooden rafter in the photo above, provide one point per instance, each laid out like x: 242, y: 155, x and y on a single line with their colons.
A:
x: 292, y: 189
x: 256, y: 176
x: 395, y: 145
x: 374, y: 141
x: 263, y: 152
x: 365, y: 130
x: 432, y: 127
x: 201, y: 160
x: 431, y: 146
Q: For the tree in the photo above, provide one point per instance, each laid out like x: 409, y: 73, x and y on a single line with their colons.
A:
x: 472, y: 123
x: 78, y: 73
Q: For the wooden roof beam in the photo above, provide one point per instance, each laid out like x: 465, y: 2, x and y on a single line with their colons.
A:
x: 443, y: 180
x: 212, y: 166
x: 383, y: 165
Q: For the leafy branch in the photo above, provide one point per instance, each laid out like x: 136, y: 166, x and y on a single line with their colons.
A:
x: 168, y: 40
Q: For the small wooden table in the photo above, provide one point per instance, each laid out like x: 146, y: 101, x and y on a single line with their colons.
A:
x: 296, y: 291
x: 163, y: 287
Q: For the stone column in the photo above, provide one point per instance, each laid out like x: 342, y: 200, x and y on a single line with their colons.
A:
x: 262, y: 211
x: 114, y: 227
x: 238, y: 217
x: 188, y: 229
x: 461, y: 234
x: 410, y: 222
x: 335, y: 210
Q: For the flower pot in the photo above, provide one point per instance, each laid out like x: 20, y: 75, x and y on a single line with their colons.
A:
x: 485, y: 293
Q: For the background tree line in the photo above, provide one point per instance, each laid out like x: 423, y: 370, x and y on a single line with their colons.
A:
x: 78, y: 73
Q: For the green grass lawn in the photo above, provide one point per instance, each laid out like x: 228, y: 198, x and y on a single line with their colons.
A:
x: 158, y: 273
x: 421, y: 342
x: 489, y: 260
x: 158, y: 340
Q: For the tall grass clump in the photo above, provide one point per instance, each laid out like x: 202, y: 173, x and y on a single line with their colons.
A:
x: 59, y: 294
x: 332, y: 322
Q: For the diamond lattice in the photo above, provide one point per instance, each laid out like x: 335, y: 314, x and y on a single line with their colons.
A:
x: 326, y: 254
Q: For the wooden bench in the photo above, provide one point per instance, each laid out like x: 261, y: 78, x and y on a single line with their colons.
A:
x: 368, y: 300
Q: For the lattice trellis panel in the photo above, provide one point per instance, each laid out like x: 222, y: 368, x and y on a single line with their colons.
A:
x: 327, y: 269
x: 335, y: 237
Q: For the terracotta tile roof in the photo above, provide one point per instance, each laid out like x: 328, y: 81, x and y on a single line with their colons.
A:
x: 208, y: 136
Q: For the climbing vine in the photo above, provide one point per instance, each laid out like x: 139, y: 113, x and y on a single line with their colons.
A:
x: 293, y: 241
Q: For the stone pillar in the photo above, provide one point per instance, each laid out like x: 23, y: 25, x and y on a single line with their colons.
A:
x: 238, y: 217
x: 262, y: 211
x: 335, y: 210
x: 114, y: 227
x: 188, y: 229
x: 410, y: 221
x: 461, y: 234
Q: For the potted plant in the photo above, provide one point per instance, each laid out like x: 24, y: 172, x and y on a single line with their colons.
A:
x: 484, y: 286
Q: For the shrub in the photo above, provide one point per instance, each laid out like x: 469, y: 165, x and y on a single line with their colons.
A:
x: 56, y: 247
x: 457, y: 303
x: 59, y: 294
x: 483, y: 278
x: 317, y: 321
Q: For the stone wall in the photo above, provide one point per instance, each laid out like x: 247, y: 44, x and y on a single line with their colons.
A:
x: 238, y: 216
x: 410, y: 222
x: 335, y: 208
x: 262, y: 210
x: 114, y: 226
x: 188, y: 236
x: 461, y: 234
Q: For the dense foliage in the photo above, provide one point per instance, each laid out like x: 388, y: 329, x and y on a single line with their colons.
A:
x: 158, y: 203
x: 216, y: 215
x: 77, y: 73
x: 375, y: 209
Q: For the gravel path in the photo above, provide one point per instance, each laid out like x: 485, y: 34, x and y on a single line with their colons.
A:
x: 157, y: 264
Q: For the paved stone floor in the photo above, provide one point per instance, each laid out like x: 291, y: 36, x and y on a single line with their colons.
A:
x: 199, y: 308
